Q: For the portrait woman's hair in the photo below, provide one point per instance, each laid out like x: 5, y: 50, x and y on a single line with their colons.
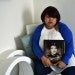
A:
x: 51, y: 12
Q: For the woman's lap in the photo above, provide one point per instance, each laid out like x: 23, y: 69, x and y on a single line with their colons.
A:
x: 40, y: 69
x: 69, y: 71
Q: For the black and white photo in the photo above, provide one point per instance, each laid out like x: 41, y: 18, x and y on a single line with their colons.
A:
x: 54, y: 49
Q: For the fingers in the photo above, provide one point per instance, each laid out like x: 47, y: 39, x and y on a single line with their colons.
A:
x: 60, y: 64
x: 56, y: 64
x: 48, y: 63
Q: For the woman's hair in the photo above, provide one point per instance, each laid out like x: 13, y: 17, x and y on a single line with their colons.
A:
x: 51, y: 12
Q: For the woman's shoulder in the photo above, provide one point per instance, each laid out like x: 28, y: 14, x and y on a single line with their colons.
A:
x: 39, y: 27
x: 61, y: 24
x: 64, y: 27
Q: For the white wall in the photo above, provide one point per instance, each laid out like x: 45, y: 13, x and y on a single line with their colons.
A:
x: 14, y: 15
x: 65, y: 7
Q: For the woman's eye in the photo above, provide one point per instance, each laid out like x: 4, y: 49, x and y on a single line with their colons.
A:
x: 47, y: 16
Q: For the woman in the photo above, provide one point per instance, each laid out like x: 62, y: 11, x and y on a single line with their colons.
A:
x: 51, y: 23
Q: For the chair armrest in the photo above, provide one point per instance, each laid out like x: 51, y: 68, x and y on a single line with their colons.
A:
x: 7, y: 65
x: 24, y: 69
x: 11, y: 53
x: 10, y: 58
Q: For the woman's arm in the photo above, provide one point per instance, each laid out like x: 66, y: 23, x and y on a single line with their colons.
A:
x: 35, y: 43
x: 69, y: 48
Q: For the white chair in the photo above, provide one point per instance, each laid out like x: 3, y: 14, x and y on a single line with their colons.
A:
x: 12, y: 61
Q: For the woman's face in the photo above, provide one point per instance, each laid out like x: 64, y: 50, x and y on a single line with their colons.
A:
x: 50, y: 22
x: 53, y: 50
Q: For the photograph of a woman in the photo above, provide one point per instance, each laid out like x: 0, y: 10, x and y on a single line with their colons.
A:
x: 54, y: 51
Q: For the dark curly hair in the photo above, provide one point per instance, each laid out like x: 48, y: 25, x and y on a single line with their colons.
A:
x: 51, y: 12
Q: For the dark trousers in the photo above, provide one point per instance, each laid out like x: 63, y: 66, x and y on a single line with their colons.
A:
x: 69, y: 71
x: 39, y: 69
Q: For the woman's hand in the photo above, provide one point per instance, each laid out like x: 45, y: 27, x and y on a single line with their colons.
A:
x: 61, y: 64
x: 46, y: 62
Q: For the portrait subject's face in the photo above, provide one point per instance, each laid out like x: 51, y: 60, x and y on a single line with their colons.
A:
x: 53, y: 50
x: 50, y: 22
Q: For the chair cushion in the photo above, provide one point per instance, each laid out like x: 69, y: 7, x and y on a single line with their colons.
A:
x: 27, y: 44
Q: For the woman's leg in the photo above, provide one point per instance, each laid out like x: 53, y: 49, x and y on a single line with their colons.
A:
x: 40, y: 69
x: 69, y: 71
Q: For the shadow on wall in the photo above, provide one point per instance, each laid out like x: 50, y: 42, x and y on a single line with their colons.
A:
x: 27, y: 19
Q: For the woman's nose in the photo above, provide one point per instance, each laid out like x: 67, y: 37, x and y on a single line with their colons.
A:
x: 50, y: 18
